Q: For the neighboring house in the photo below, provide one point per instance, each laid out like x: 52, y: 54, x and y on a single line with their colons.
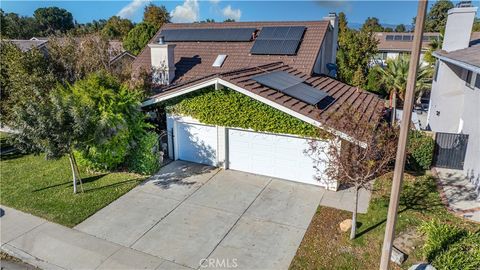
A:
x: 454, y: 112
x: 281, y: 64
x: 392, y: 44
x: 118, y: 55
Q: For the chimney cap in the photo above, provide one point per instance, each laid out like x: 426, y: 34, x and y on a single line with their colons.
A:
x: 464, y: 4
x: 161, y: 40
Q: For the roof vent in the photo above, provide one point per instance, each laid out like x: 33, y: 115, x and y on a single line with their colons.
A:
x: 219, y: 61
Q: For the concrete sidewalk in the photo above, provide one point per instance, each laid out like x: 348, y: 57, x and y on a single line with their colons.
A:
x: 51, y: 246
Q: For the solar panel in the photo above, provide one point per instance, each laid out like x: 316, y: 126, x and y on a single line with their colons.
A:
x: 279, y: 80
x: 208, y: 34
x: 278, y: 40
x: 292, y: 86
x: 389, y: 37
x: 306, y: 93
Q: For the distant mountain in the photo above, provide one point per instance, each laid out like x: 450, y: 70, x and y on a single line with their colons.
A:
x: 357, y: 26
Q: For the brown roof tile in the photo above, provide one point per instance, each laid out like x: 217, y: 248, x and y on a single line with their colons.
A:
x: 406, y: 46
x: 342, y: 96
x: 195, y: 59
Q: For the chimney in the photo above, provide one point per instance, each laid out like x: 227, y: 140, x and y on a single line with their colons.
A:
x: 333, y: 18
x: 459, y: 27
x: 163, y: 62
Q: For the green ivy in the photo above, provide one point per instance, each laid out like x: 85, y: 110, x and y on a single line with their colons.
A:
x: 232, y: 109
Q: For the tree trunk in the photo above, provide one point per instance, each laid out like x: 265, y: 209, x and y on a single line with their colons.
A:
x: 353, y: 231
x: 74, y: 174
x: 78, y: 171
x: 394, y: 106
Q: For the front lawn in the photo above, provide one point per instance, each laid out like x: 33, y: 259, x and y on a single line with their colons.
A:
x: 44, y: 188
x: 326, y: 247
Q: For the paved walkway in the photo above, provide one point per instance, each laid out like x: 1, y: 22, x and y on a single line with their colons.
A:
x: 459, y: 193
x: 185, y: 213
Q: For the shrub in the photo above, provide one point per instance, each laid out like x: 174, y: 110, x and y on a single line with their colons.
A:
x: 145, y: 158
x: 464, y: 254
x: 117, y: 118
x: 420, y: 151
x: 450, y: 247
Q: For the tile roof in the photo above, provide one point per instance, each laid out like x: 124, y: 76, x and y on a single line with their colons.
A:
x: 341, y: 97
x: 194, y: 59
x: 470, y: 55
x: 25, y: 45
x: 406, y: 46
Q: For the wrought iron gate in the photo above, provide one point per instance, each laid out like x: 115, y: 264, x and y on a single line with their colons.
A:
x: 450, y: 150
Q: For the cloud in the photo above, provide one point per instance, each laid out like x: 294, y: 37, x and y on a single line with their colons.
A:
x: 129, y: 10
x: 214, y: 1
x: 189, y: 11
x: 230, y: 13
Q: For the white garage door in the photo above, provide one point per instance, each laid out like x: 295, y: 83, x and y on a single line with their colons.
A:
x: 196, y: 143
x: 272, y: 155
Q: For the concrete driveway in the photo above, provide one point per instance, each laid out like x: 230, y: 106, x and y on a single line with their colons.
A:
x: 196, y: 215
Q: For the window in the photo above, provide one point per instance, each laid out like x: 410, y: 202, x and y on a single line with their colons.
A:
x: 477, y: 82
x: 470, y: 79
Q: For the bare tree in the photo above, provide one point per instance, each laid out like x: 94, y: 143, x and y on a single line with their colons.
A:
x: 355, y: 164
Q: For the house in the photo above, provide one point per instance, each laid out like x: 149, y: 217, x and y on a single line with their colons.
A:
x: 454, y: 111
x: 280, y: 64
x: 118, y: 55
x: 392, y: 44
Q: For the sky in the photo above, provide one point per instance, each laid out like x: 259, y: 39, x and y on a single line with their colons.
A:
x: 389, y: 12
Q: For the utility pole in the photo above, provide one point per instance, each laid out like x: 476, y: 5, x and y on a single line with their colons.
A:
x: 403, y: 138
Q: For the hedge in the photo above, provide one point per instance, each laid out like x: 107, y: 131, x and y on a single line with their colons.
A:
x: 232, y: 109
x: 420, y: 151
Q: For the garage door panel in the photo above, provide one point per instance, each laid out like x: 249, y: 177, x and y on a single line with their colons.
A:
x: 271, y: 154
x: 197, y: 143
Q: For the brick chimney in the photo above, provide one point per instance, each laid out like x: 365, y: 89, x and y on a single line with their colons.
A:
x: 163, y: 62
x: 459, y: 27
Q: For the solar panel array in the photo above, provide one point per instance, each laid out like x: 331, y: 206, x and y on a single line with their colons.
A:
x: 408, y: 38
x: 208, y: 34
x: 292, y: 86
x: 281, y: 40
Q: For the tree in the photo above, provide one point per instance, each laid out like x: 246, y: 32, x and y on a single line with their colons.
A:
x: 18, y: 27
x: 355, y: 164
x: 434, y: 45
x: 356, y: 48
x: 394, y: 77
x: 138, y: 37
x: 53, y: 19
x: 52, y: 125
x: 229, y: 20
x: 401, y: 28
x: 156, y: 15
x: 117, y: 28
x: 476, y: 25
x: 372, y: 24
x: 437, y: 16
x: 388, y: 29
x: 73, y: 59
x: 19, y: 73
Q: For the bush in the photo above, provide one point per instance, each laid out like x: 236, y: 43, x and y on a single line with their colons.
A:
x: 420, y: 151
x: 145, y: 158
x: 450, y: 247
x: 117, y: 118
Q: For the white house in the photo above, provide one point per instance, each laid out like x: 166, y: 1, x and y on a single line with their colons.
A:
x: 454, y: 111
x: 280, y: 64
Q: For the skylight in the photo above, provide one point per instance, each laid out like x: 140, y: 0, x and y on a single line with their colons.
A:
x: 219, y: 61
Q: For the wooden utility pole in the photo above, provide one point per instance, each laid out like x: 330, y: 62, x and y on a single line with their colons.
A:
x: 403, y: 138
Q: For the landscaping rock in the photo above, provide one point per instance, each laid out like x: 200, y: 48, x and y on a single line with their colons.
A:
x: 345, y: 225
x: 398, y: 256
x: 422, y: 266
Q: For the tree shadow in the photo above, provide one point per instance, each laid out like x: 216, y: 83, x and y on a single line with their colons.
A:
x: 138, y: 180
x: 9, y: 155
x: 69, y: 183
x: 415, y: 196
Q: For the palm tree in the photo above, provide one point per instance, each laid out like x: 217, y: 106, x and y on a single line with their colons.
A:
x: 394, y: 78
x: 434, y: 45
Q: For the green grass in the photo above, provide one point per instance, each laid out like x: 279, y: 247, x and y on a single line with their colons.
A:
x: 326, y: 247
x: 44, y: 188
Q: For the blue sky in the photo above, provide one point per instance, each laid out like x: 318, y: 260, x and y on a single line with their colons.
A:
x: 389, y: 12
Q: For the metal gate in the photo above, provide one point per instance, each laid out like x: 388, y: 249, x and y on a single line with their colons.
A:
x: 450, y: 150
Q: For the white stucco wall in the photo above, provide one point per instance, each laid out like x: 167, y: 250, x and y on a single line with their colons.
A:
x: 459, y: 107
